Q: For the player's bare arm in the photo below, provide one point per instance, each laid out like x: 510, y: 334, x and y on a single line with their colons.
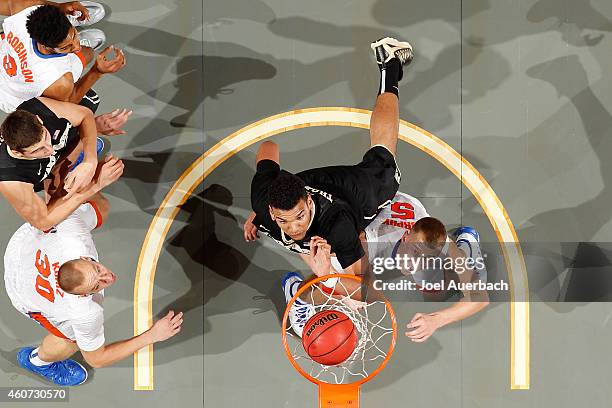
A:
x: 423, y: 325
x: 81, y: 117
x: 37, y: 213
x: 267, y: 151
x: 163, y: 329
x: 110, y: 60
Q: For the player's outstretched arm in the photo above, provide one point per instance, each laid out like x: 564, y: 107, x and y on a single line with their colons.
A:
x: 162, y: 330
x: 103, y: 65
x: 43, y: 216
x: 33, y: 209
x: 422, y: 326
x: 66, y: 90
x: 250, y: 229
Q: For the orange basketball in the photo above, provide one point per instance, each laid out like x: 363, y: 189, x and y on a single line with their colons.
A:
x: 329, y: 337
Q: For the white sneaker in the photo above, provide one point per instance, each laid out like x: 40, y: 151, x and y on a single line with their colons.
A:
x: 387, y: 48
x: 300, y: 311
x: 96, y: 13
x: 92, y: 38
x: 468, y: 240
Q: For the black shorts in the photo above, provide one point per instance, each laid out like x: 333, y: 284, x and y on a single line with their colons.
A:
x: 368, y: 186
x: 382, y: 179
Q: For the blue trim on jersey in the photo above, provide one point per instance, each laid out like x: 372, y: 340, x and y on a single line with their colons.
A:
x: 35, y: 46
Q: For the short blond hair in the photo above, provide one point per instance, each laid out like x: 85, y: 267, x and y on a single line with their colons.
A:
x: 70, y: 276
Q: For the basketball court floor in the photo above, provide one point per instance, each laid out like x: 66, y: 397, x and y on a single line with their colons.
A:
x: 520, y: 89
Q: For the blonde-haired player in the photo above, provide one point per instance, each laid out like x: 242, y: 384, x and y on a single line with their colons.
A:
x: 56, y: 279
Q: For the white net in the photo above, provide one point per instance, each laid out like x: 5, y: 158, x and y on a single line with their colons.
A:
x: 373, y: 323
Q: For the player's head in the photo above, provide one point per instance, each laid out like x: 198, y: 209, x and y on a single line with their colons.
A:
x: 290, y: 205
x: 49, y: 26
x: 24, y: 133
x: 427, y: 237
x: 424, y: 248
x: 429, y: 230
x: 84, y: 276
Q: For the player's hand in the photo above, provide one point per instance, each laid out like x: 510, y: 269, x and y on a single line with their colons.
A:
x: 79, y: 178
x: 110, y: 123
x: 166, y: 327
x: 353, y: 304
x: 422, y: 326
x: 250, y: 230
x: 108, y: 172
x: 320, y: 256
x: 104, y: 65
x: 73, y: 8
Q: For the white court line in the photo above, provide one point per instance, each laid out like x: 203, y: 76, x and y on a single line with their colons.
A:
x: 334, y: 116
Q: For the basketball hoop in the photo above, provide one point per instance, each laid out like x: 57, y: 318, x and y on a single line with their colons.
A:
x: 375, y: 323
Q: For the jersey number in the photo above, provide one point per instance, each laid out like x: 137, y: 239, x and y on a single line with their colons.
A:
x: 403, y: 211
x: 43, y: 287
x: 9, y: 65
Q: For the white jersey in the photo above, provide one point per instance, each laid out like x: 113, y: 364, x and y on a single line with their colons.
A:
x: 31, y: 264
x: 25, y: 72
x: 389, y: 226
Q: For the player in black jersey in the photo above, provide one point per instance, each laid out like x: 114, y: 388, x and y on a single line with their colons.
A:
x: 325, y: 210
x: 41, y: 141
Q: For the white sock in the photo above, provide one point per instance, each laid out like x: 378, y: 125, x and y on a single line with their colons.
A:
x: 34, y: 359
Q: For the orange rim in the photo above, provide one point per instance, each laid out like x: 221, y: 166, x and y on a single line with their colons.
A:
x: 301, y: 370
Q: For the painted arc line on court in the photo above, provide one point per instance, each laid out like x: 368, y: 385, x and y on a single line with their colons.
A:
x: 334, y: 116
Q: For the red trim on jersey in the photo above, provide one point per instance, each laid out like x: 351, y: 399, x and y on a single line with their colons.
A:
x: 98, y: 214
x: 42, y: 320
x: 1, y: 36
x: 82, y: 58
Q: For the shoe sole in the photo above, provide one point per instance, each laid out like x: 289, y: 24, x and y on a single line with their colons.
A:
x: 98, y: 33
x: 390, y: 43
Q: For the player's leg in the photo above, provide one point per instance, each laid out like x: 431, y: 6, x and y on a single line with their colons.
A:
x: 384, y: 122
x: 51, y: 361
x: 391, y: 55
x: 301, y: 310
x: 54, y: 348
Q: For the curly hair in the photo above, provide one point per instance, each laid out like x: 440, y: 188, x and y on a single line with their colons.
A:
x: 48, y: 25
x: 286, y: 191
x: 20, y: 130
